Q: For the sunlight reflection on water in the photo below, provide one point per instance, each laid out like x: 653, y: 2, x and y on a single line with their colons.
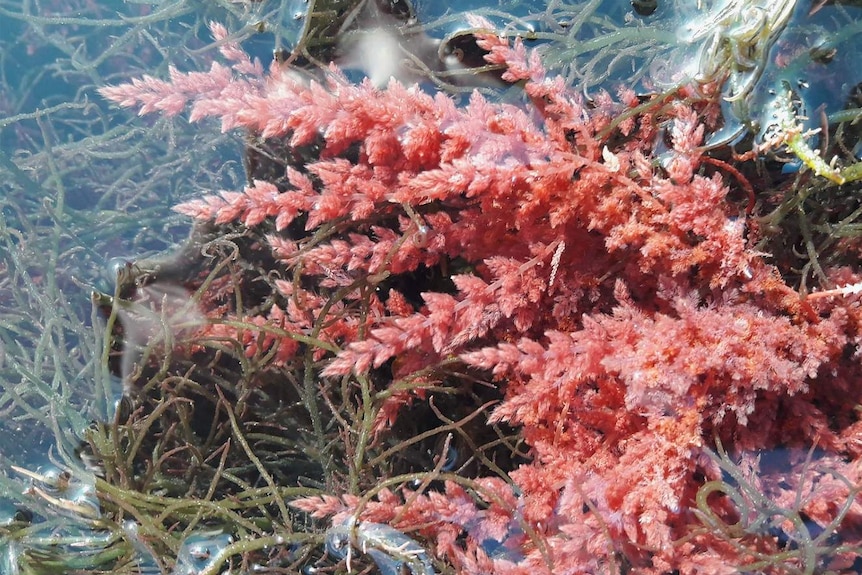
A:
x: 80, y: 183
x: 80, y: 190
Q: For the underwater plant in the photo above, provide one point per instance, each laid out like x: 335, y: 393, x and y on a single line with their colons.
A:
x: 482, y: 318
x: 602, y: 312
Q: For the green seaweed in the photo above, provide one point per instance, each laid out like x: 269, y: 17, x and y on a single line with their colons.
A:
x: 769, y: 537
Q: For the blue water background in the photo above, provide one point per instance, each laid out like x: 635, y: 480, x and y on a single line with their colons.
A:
x: 84, y: 185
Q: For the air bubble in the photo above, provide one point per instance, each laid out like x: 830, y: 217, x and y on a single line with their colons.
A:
x: 116, y: 264
x: 199, y: 551
x: 420, y: 238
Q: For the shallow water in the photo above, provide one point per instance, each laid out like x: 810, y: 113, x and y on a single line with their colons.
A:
x: 84, y: 186
x: 80, y: 186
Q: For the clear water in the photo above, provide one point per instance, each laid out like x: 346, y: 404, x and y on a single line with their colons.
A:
x: 85, y: 187
x: 81, y: 187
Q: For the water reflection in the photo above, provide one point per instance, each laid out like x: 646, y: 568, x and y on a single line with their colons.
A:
x: 79, y: 184
x: 87, y: 192
x: 748, y: 47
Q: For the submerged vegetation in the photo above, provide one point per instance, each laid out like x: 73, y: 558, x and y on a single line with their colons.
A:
x: 482, y: 317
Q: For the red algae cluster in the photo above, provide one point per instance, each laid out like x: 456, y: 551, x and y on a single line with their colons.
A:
x: 680, y: 407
